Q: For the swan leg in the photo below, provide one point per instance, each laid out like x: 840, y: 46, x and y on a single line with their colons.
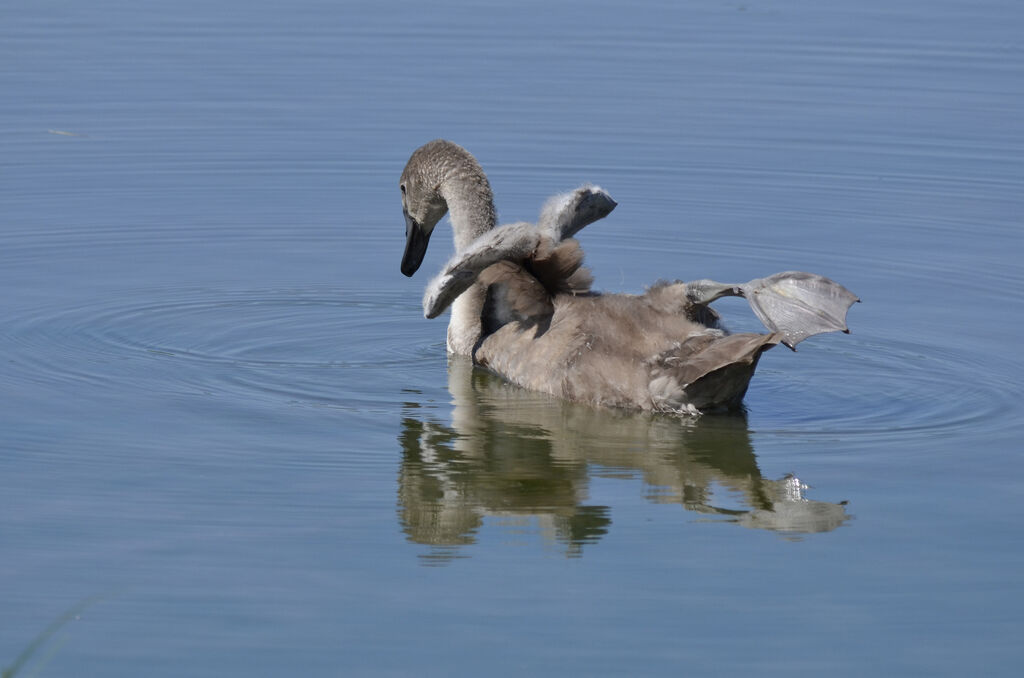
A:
x: 703, y: 292
x: 794, y: 304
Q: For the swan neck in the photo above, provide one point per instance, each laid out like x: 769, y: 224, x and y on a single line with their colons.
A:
x: 464, y: 327
x: 471, y: 205
x: 467, y: 193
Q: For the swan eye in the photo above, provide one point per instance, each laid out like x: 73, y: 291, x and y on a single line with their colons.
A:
x: 402, y: 186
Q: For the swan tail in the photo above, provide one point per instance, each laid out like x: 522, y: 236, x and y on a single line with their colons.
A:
x: 707, y: 372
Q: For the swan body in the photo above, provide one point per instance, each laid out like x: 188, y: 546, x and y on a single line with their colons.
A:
x: 522, y: 304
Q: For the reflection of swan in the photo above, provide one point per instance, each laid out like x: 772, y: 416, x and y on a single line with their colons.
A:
x: 522, y: 456
x: 522, y: 305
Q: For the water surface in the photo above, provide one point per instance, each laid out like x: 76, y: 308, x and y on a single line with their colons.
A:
x: 226, y: 424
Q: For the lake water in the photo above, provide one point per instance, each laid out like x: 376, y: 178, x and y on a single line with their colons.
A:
x: 228, y: 433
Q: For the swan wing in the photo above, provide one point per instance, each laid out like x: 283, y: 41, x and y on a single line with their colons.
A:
x: 563, y: 216
x: 512, y: 242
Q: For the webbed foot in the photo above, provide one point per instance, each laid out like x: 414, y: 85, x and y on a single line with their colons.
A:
x: 794, y: 304
x: 798, y: 305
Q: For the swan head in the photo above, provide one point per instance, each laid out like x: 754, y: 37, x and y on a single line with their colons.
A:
x: 422, y: 205
x: 441, y: 174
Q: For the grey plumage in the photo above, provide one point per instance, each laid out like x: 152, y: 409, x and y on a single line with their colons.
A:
x: 522, y: 304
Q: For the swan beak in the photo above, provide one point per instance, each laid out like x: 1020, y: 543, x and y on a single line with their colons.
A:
x: 416, y: 239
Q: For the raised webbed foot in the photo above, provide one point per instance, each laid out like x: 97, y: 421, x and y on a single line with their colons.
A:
x: 794, y: 304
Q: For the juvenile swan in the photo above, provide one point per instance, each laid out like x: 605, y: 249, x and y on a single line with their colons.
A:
x: 522, y: 305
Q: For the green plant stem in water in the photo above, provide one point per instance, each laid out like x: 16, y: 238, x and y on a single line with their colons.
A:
x: 44, y: 636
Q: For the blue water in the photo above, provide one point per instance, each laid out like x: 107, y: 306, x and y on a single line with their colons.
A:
x: 228, y: 433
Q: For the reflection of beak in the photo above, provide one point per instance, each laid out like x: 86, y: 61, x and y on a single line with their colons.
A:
x: 416, y: 240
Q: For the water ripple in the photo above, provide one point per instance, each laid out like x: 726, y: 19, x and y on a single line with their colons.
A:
x: 899, y: 389
x: 300, y: 344
x: 335, y: 347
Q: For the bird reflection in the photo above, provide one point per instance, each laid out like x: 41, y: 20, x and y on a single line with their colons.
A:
x: 528, y: 459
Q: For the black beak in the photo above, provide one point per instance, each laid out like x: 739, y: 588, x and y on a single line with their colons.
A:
x: 416, y: 240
